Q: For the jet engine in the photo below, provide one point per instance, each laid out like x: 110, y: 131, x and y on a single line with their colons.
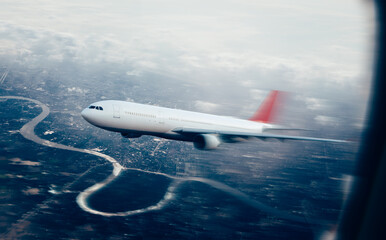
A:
x: 206, y: 142
x: 130, y: 135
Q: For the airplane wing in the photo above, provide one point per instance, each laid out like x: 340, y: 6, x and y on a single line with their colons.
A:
x: 263, y: 136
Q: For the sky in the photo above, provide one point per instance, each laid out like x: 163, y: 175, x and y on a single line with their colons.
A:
x: 228, y: 48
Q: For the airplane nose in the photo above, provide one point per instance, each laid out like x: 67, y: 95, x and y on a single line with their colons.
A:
x: 85, y: 113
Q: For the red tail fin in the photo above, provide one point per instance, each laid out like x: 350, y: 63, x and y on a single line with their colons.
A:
x: 268, y: 109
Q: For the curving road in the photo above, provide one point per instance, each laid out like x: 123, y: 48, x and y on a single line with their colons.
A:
x: 28, y: 132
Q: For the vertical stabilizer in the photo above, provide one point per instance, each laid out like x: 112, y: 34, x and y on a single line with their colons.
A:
x: 269, y: 108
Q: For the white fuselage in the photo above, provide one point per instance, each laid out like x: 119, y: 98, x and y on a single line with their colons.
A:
x: 141, y: 119
x: 206, y: 131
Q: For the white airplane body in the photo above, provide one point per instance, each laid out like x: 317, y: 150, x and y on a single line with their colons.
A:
x: 206, y: 131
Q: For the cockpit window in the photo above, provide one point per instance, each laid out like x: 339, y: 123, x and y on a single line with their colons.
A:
x: 96, y: 107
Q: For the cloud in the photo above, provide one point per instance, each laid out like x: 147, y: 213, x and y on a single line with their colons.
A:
x: 235, y: 45
x: 134, y: 73
x: 205, y: 106
x: 316, y: 104
x: 258, y: 94
x: 76, y: 90
x: 326, y: 120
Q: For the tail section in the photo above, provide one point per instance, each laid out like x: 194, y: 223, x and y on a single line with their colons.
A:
x: 269, y: 108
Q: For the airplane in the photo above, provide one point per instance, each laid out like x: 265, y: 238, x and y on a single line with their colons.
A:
x: 206, y: 131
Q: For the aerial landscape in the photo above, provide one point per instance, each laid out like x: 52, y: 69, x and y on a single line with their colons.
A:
x: 62, y: 178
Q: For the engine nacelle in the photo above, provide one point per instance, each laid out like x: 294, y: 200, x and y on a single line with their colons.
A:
x: 206, y: 142
x: 130, y: 135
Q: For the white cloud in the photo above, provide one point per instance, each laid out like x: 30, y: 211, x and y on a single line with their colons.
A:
x: 326, y: 120
x: 134, y: 73
x: 76, y: 90
x: 48, y: 132
x: 301, y: 47
x: 316, y: 104
x: 258, y: 94
x: 205, y: 106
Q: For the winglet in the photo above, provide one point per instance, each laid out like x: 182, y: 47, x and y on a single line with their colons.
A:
x: 269, y: 108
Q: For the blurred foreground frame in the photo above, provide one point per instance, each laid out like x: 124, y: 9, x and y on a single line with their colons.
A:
x: 364, y: 215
